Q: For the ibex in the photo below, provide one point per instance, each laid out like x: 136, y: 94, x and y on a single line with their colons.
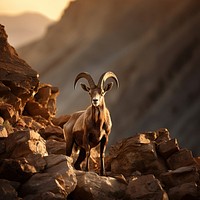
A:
x: 92, y: 126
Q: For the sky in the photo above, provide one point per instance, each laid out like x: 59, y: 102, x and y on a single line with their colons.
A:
x: 50, y: 8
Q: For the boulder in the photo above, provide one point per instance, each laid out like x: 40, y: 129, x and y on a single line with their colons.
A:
x: 7, y: 190
x: 181, y: 158
x: 55, y: 147
x: 179, y: 176
x: 145, y: 187
x: 169, y: 147
x: 136, y: 153
x: 184, y: 191
x: 57, y: 181
x: 91, y: 186
x: 22, y: 143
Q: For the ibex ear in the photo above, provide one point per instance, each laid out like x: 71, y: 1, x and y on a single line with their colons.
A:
x: 87, y: 89
x: 108, y: 87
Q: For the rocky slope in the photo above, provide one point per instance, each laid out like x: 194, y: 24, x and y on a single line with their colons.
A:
x: 25, y: 27
x: 152, y: 46
x: 33, y: 165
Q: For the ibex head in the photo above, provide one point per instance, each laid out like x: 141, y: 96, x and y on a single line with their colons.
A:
x: 98, y: 91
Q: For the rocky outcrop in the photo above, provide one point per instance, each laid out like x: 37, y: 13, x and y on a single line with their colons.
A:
x: 33, y: 165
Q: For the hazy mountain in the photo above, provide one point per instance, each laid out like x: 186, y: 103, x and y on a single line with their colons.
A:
x: 24, y: 28
x: 154, y: 48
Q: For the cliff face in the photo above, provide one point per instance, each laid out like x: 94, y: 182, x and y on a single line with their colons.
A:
x: 152, y: 46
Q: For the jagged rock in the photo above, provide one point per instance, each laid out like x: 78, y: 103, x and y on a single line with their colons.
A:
x: 46, y: 96
x: 62, y: 165
x: 3, y: 132
x: 39, y: 185
x: 52, y: 130
x: 34, y: 109
x: 184, y: 191
x: 57, y: 181
x: 16, y: 76
x: 55, y: 147
x: 179, y: 176
x: 145, y: 187
x: 22, y: 143
x: 94, y: 187
x: 16, y: 170
x: 163, y: 135
x: 7, y: 191
x: 136, y: 153
x: 169, y: 147
x: 181, y: 158
x: 22, y: 168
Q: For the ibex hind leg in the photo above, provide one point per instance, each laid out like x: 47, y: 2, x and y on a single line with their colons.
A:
x: 80, y: 159
x: 69, y: 146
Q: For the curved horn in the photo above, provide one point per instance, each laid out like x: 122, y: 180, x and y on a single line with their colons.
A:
x: 105, y: 76
x: 87, y: 76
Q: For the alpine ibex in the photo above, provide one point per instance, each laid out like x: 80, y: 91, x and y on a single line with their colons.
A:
x: 92, y: 126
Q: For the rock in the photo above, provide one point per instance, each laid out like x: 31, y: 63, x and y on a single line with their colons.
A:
x: 55, y: 147
x: 184, y: 191
x: 41, y: 184
x: 145, y: 187
x: 62, y: 165
x: 169, y: 147
x: 52, y: 130
x: 2, y: 147
x: 7, y: 191
x: 46, y: 96
x: 22, y: 143
x: 15, y: 74
x: 3, y: 132
x: 57, y: 181
x: 34, y: 109
x: 163, y: 135
x: 179, y: 176
x: 16, y: 170
x: 136, y: 153
x: 93, y: 187
x: 181, y: 158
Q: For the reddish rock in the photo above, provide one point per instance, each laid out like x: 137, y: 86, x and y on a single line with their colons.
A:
x: 163, y: 135
x: 16, y: 169
x: 56, y: 182
x: 7, y: 191
x: 184, y: 191
x: 52, y: 130
x: 180, y: 159
x: 145, y: 187
x: 3, y: 132
x: 91, y: 186
x: 136, y: 153
x: 35, y: 109
x: 179, y: 176
x: 169, y: 147
x: 22, y: 143
x: 18, y: 77
x: 56, y: 147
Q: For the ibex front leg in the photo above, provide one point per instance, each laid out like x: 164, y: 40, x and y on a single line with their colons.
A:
x: 103, y: 144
